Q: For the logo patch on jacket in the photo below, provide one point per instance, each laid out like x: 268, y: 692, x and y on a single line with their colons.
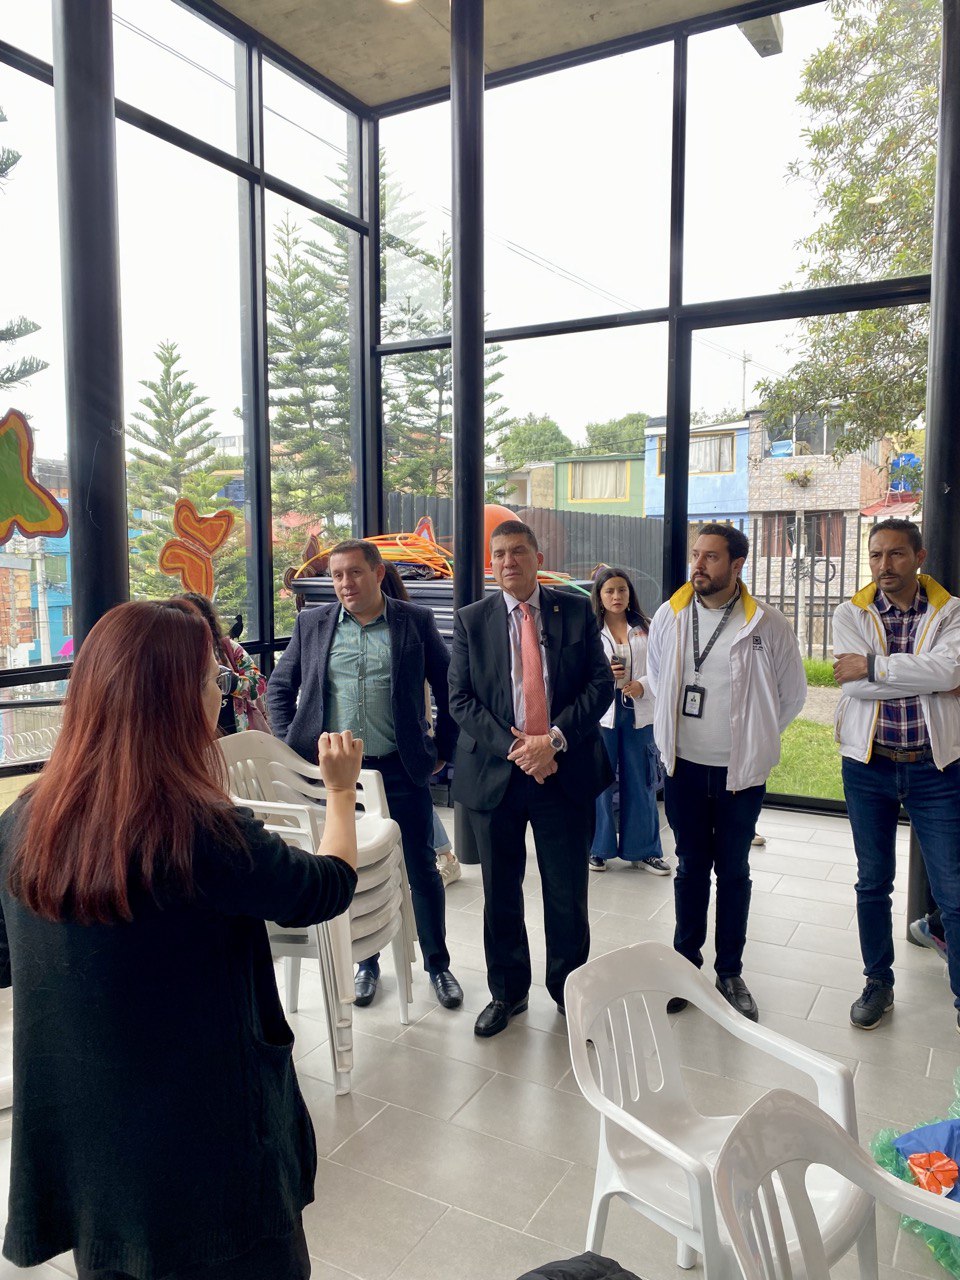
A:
x: 758, y: 643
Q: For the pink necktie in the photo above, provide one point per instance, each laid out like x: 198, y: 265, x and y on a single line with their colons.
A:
x: 534, y: 694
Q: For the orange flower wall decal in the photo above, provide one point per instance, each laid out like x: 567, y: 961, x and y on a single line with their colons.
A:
x: 190, y: 556
x: 24, y: 503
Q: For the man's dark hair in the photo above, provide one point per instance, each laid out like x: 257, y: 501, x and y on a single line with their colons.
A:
x: 507, y: 527
x: 899, y: 525
x: 737, y: 544
x: 371, y: 552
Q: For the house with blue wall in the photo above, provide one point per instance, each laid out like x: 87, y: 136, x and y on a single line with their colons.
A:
x: 719, y: 476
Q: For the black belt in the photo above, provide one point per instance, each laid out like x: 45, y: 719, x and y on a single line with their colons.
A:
x: 903, y: 755
x: 375, y: 760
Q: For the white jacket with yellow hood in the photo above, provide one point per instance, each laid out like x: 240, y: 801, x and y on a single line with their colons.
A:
x: 767, y: 680
x: 928, y: 673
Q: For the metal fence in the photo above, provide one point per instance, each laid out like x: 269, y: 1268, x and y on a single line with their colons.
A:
x: 802, y: 563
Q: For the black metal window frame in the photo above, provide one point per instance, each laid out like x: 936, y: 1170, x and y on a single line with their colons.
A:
x: 254, y: 51
x: 683, y: 320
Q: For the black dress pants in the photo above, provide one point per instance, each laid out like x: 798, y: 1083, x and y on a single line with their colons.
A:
x: 713, y: 829
x: 562, y: 830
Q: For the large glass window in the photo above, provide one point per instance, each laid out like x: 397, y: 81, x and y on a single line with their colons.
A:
x: 180, y: 270
x: 35, y: 572
x: 312, y: 361
x: 577, y: 190
x: 308, y: 140
x: 829, y: 437
x: 415, y: 182
x: 172, y: 63
x: 567, y: 447
x: 811, y: 143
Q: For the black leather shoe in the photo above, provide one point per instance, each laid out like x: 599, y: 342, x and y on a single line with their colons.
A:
x: 676, y: 1004
x: 496, y: 1015
x: 735, y: 992
x: 448, y: 989
x: 365, y: 982
x: 561, y: 1010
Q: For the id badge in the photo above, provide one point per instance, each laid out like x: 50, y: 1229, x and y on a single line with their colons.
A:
x: 694, y: 696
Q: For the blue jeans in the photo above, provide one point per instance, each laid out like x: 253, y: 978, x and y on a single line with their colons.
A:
x: 633, y: 757
x: 411, y: 807
x: 713, y: 828
x: 874, y: 794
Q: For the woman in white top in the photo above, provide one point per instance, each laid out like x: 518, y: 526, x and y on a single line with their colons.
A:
x: 627, y: 731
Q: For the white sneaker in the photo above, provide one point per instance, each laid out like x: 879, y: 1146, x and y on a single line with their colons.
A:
x: 448, y: 864
x: 758, y: 841
x: 658, y: 866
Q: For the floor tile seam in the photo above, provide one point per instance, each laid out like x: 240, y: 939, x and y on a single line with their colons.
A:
x: 479, y: 1089
x: 399, y: 1186
x: 383, y: 1107
x: 351, y: 1275
x: 417, y: 1243
x: 520, y: 1146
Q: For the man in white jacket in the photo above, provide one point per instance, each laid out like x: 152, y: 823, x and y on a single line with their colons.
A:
x: 728, y: 679
x: 896, y: 648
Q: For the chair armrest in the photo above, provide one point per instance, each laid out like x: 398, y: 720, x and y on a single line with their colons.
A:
x: 833, y: 1079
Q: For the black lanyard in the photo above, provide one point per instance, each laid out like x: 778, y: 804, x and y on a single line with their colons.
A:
x: 700, y: 658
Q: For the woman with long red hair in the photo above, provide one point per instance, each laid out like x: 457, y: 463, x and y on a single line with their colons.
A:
x: 158, y: 1128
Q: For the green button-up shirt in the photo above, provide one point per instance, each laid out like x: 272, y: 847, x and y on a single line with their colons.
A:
x: 357, y: 687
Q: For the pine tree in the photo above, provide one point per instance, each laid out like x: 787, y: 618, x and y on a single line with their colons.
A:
x: 174, y: 456
x: 418, y: 392
x: 22, y: 368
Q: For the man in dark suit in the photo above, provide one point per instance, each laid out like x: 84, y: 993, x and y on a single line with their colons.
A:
x: 528, y: 684
x: 361, y: 665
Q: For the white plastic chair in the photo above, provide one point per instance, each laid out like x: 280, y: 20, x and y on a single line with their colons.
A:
x: 761, y: 1177
x: 656, y: 1149
x: 263, y: 771
x: 261, y: 767
x: 331, y: 942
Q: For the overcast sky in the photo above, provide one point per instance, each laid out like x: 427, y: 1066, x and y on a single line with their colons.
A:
x: 577, y: 204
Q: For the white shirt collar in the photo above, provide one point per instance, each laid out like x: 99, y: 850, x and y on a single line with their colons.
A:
x: 513, y: 603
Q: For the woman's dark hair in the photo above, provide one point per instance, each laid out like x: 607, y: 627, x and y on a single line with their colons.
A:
x: 392, y: 584
x: 213, y: 622
x: 635, y: 615
x: 133, y: 775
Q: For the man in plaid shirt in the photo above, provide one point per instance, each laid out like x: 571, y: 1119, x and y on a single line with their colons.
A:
x: 897, y: 660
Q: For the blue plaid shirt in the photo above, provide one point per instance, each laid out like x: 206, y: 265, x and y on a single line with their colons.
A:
x: 901, y: 723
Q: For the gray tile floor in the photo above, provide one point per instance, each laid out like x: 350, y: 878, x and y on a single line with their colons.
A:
x: 462, y: 1159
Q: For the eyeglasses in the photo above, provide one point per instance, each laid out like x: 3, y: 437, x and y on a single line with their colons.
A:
x: 226, y: 680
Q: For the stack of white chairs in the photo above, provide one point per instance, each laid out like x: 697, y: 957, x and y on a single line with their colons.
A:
x: 288, y: 795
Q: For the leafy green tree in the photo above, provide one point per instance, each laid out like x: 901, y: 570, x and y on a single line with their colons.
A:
x: 172, y: 455
x: 22, y: 368
x: 618, y: 435
x: 534, y: 438
x: 872, y: 96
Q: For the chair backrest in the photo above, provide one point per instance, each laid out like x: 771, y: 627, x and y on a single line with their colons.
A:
x: 616, y: 1003
x: 620, y: 1035
x: 760, y: 1183
x: 261, y: 767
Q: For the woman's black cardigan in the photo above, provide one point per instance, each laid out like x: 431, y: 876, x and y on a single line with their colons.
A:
x: 157, y: 1119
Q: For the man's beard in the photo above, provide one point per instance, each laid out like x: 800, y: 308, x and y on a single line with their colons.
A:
x: 713, y: 587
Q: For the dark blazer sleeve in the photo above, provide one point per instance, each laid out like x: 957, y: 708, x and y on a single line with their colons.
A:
x: 466, y: 706
x: 269, y: 880
x: 582, y: 715
x: 436, y: 663
x: 284, y: 685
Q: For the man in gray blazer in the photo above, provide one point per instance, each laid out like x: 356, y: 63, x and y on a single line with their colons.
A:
x: 361, y: 665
